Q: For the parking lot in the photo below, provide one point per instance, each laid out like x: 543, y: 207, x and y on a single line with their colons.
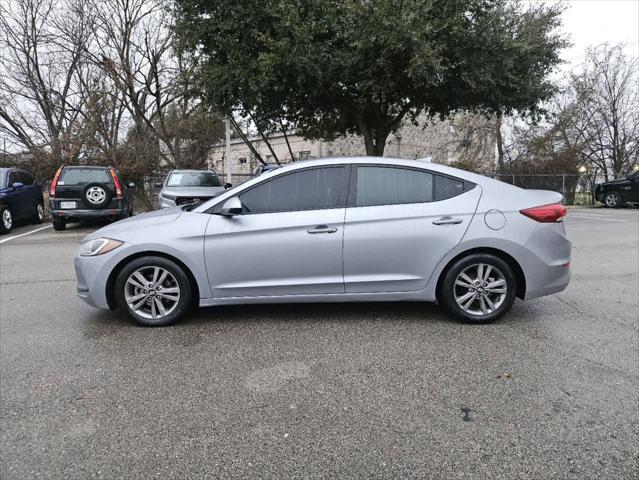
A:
x: 323, y: 391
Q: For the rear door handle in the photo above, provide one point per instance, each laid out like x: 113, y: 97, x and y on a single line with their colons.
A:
x: 321, y: 229
x: 447, y: 221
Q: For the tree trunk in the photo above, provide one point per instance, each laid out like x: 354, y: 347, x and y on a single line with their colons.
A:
x: 500, y: 144
x: 374, y: 139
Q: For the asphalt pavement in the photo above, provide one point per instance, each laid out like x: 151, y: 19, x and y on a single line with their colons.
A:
x: 323, y: 391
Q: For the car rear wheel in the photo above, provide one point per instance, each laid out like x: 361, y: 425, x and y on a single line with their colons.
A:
x: 479, y: 288
x: 612, y: 200
x: 6, y: 219
x: 154, y: 291
x: 59, y: 225
x: 38, y: 217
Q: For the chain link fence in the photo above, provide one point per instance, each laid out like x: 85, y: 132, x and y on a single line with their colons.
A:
x: 576, y: 188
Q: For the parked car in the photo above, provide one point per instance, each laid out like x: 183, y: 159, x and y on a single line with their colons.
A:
x: 182, y: 187
x: 20, y: 198
x: 336, y: 230
x: 263, y: 168
x: 616, y: 193
x: 85, y: 192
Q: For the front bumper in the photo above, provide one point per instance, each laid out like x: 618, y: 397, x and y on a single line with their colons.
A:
x: 92, y: 274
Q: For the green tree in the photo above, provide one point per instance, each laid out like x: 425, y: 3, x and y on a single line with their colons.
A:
x: 336, y: 67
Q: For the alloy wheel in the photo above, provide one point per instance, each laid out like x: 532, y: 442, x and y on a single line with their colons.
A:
x: 480, y: 289
x: 96, y: 195
x: 40, y: 212
x: 7, y: 219
x: 152, y: 292
x: 612, y: 199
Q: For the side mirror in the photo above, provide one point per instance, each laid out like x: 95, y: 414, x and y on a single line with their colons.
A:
x: 231, y: 207
x: 228, y: 185
x: 158, y: 185
x: 17, y: 185
x: 131, y: 185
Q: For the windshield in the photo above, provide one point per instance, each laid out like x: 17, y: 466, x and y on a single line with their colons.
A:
x: 193, y: 179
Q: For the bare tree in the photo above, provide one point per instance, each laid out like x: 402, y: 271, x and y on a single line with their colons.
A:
x: 606, y: 110
x: 41, y: 97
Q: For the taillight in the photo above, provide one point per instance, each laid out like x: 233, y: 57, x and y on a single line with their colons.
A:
x: 118, y: 187
x: 54, y: 183
x: 546, y: 213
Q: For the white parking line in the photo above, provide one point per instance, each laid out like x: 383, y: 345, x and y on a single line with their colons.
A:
x: 4, y: 240
x: 597, y: 218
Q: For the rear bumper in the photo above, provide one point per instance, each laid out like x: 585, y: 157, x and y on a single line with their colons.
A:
x: 82, y: 214
x: 546, y: 265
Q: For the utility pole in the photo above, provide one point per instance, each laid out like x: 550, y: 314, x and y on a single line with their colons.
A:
x: 227, y: 154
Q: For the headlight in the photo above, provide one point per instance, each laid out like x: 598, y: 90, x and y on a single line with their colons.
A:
x: 98, y: 246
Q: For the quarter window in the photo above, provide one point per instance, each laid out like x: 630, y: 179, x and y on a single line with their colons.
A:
x: 446, y: 187
x: 311, y: 189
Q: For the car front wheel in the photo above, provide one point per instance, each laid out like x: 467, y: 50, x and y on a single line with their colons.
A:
x: 38, y: 217
x: 612, y: 200
x: 154, y: 291
x: 479, y: 288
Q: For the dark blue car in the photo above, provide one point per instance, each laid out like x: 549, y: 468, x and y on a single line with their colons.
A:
x: 20, y: 198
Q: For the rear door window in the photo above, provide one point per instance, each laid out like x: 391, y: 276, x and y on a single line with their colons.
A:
x: 82, y: 176
x: 392, y: 186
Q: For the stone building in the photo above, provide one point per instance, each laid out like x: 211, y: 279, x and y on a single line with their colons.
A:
x: 440, y: 141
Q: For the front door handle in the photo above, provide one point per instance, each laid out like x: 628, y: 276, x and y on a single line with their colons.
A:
x: 321, y: 229
x: 447, y: 221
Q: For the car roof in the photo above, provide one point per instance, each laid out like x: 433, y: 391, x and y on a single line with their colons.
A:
x: 389, y: 161
x: 386, y: 161
x: 189, y: 170
x: 96, y: 167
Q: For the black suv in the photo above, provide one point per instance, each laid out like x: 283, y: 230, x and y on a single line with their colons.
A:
x: 615, y: 193
x: 79, y: 193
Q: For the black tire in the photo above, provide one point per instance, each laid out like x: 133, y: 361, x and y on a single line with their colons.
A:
x: 612, y: 200
x: 6, y: 219
x: 180, y: 277
x: 59, y: 225
x: 449, y: 288
x: 38, y: 216
x: 101, y: 200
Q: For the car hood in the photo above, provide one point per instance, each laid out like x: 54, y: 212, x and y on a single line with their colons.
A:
x: 193, y: 191
x: 619, y: 181
x: 118, y: 230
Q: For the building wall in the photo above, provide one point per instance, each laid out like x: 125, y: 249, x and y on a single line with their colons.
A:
x: 436, y: 140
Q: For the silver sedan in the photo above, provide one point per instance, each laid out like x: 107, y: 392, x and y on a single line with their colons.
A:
x: 335, y: 230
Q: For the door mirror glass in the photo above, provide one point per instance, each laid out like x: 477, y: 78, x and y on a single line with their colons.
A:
x: 231, y: 207
x: 17, y: 185
x: 228, y: 185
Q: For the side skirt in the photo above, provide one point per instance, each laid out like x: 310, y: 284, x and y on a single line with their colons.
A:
x: 419, y: 296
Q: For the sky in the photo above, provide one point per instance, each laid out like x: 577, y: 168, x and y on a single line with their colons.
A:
x: 592, y: 22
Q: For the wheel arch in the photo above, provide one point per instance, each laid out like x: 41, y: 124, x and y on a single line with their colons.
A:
x: 110, y: 284
x: 520, y: 278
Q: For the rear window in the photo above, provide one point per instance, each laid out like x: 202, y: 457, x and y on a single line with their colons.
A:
x: 82, y: 176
